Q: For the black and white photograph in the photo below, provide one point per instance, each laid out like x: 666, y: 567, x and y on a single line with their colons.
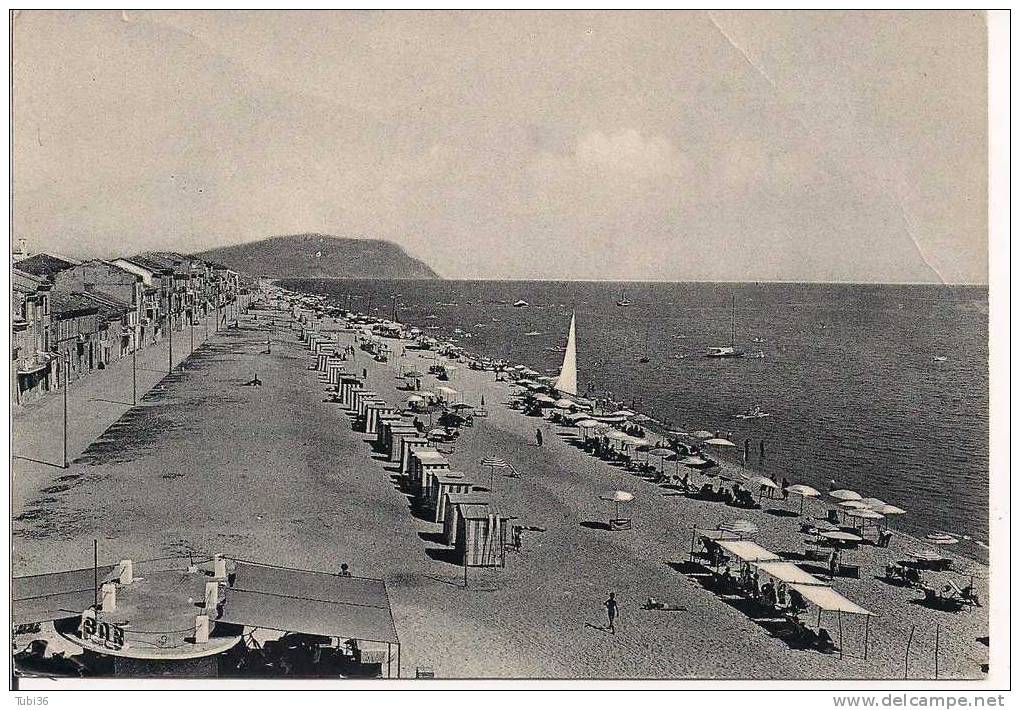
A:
x: 417, y: 349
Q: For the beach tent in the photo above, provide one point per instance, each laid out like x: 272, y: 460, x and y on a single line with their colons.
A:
x: 828, y: 599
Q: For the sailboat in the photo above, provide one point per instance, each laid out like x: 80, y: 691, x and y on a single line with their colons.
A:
x: 566, y: 383
x: 729, y: 350
x: 624, y: 301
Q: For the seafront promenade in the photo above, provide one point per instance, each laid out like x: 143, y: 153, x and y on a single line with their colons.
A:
x: 206, y: 463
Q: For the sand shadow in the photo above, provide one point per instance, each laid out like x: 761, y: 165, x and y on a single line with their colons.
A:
x: 604, y: 629
x: 594, y: 525
x: 39, y: 461
x: 447, y: 555
x: 782, y: 513
x: 436, y: 538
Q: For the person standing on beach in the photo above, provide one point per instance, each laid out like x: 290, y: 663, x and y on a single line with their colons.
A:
x: 612, y: 609
x: 538, y: 436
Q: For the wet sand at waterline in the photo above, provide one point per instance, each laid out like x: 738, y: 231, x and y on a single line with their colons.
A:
x: 276, y: 474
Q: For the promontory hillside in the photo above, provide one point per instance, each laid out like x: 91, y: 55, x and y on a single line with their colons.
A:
x: 321, y: 256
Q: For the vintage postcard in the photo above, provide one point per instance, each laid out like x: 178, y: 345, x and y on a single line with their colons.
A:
x: 395, y: 348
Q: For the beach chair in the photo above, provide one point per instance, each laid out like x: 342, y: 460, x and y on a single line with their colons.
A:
x: 967, y: 595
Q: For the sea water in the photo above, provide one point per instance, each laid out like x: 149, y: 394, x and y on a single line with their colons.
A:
x: 852, y: 376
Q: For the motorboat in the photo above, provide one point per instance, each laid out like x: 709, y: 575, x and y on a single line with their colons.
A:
x: 754, y: 412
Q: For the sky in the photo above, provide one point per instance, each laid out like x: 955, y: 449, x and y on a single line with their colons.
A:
x: 703, y: 146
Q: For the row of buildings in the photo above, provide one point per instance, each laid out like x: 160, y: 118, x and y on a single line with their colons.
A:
x: 72, y: 317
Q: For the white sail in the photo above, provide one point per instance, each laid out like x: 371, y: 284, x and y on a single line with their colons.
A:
x: 567, y: 381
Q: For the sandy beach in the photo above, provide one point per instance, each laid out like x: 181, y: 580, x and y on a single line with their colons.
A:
x: 276, y: 474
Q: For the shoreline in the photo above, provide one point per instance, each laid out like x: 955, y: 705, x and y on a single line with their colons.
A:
x: 970, y: 548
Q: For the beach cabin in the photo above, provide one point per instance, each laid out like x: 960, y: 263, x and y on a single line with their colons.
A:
x: 322, y: 358
x: 481, y: 535
x: 425, y: 463
x: 348, y: 386
x: 335, y: 369
x: 394, y: 435
x: 408, y: 445
x: 359, y: 397
x: 368, y: 409
x: 386, y: 420
x: 451, y: 511
x: 442, y: 485
x: 373, y: 412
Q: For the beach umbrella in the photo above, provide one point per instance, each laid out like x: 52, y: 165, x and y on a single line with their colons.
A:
x: 702, y: 434
x: 563, y: 403
x: 873, y: 503
x: 762, y: 482
x: 844, y: 494
x: 414, y: 399
x: 693, y: 461
x: 840, y: 536
x: 926, y: 555
x: 586, y: 424
x: 853, y: 505
x: 623, y: 413
x: 864, y: 514
x: 618, y: 497
x: 616, y: 435
x: 718, y: 441
x: 660, y: 452
x: 739, y: 526
x: 462, y: 405
x: 638, y: 442
x: 888, y: 509
x: 494, y: 462
x: 804, y: 492
x: 941, y: 538
x: 544, y: 399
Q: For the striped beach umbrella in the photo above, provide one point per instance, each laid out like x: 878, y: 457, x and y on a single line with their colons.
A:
x: 494, y: 462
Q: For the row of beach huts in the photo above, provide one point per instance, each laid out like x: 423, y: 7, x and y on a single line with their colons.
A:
x: 473, y: 528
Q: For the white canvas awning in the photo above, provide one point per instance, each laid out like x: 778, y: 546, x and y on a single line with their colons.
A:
x: 747, y: 550
x: 828, y: 599
x: 789, y: 573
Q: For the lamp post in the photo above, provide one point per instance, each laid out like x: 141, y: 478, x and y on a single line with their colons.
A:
x: 134, y: 367
x: 170, y: 350
x: 67, y: 375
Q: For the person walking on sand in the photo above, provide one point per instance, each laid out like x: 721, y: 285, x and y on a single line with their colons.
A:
x: 612, y: 610
x: 538, y: 436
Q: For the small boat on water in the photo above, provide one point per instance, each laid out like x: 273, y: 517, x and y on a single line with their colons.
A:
x: 938, y: 358
x: 759, y: 339
x: 728, y: 351
x: 754, y: 412
x: 533, y: 333
x: 644, y: 360
x: 624, y: 301
x: 758, y: 355
x: 520, y: 304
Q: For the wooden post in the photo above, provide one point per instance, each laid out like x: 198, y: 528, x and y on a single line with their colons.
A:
x: 95, y: 573
x: 906, y: 656
x: 938, y: 629
x: 867, y: 625
x: 839, y: 619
